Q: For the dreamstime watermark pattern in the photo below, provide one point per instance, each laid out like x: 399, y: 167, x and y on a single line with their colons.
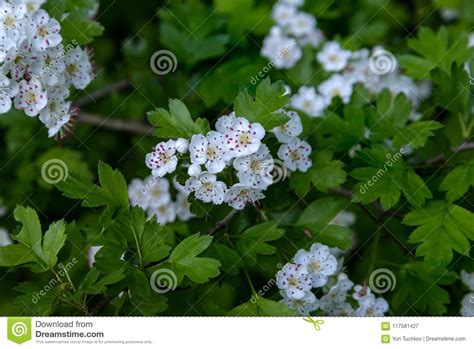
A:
x: 382, y: 62
x: 63, y: 271
x: 163, y: 62
x: 382, y: 280
x: 54, y: 171
x: 163, y: 280
x: 391, y: 160
x: 271, y: 64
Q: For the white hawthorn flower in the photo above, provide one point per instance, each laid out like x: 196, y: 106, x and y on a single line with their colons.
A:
x: 283, y: 14
x: 157, y: 192
x: 136, y: 193
x: 207, y: 188
x: 8, y: 90
x: 371, y: 306
x: 304, y: 306
x: 308, y: 101
x: 314, y: 38
x: 319, y: 263
x: 225, y: 123
x: 183, y: 207
x: 53, y: 65
x: 244, y: 138
x: 20, y: 61
x: 293, y: 280
x: 57, y: 112
x: 31, y: 5
x: 361, y: 292
x: 333, y: 57
x: 239, y: 195
x: 44, y: 30
x: 289, y: 130
x: 78, y: 68
x: 6, y: 45
x: 164, y: 214
x: 467, y: 305
x: 210, y: 151
x: 31, y: 98
x: 255, y: 170
x: 336, y: 86
x: 162, y: 159
x: 11, y: 19
x: 302, y: 24
x: 468, y: 279
x: 295, y: 155
x: 335, y: 299
x: 281, y: 50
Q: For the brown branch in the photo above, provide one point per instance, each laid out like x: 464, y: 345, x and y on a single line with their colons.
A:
x: 101, y: 93
x: 463, y: 147
x: 115, y: 124
x: 222, y: 223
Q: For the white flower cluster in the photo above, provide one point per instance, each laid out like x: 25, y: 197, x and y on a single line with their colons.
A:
x: 374, y: 70
x: 320, y: 269
x: 36, y: 70
x: 467, y: 303
x: 153, y: 195
x: 236, y: 143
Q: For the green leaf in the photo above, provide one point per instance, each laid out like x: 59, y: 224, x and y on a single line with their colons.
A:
x: 32, y: 246
x: 317, y: 218
x: 436, y: 50
x: 230, y: 260
x: 177, y: 122
x: 112, y: 192
x: 415, y: 134
x: 184, y: 262
x: 259, y: 306
x: 325, y: 172
x: 419, y: 288
x: 458, y: 181
x: 262, y: 108
x: 442, y: 228
x: 95, y: 283
x: 254, y: 240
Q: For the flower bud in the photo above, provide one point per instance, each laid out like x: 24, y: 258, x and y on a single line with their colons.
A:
x: 182, y: 145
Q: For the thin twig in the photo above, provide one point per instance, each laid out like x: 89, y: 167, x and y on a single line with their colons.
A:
x: 463, y: 147
x: 129, y: 126
x: 222, y: 223
x: 101, y: 93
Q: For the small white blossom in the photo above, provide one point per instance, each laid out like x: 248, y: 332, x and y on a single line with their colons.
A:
x: 78, y: 68
x: 183, y: 207
x: 44, y: 30
x: 210, y: 151
x: 239, y: 195
x: 295, y: 155
x: 164, y: 214
x: 57, y: 112
x: 371, y: 306
x: 157, y: 192
x: 255, y: 170
x: 309, y: 101
x: 289, y: 130
x: 336, y: 86
x: 244, y: 138
x: 162, y: 159
x: 301, y: 24
x: 11, y: 19
x: 31, y: 98
x: 207, y: 188
x: 304, y: 306
x: 361, y: 292
x: 467, y: 305
x: 319, y: 263
x: 8, y: 90
x: 225, y: 123
x: 136, y: 194
x: 333, y: 57
x: 468, y: 279
x: 294, y: 281
x: 283, y: 14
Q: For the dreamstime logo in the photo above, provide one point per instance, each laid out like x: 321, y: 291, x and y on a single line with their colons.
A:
x: 382, y: 62
x: 163, y: 62
x: 54, y: 171
x: 163, y: 281
x: 19, y: 329
x: 279, y: 171
x: 382, y: 280
x: 391, y: 160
